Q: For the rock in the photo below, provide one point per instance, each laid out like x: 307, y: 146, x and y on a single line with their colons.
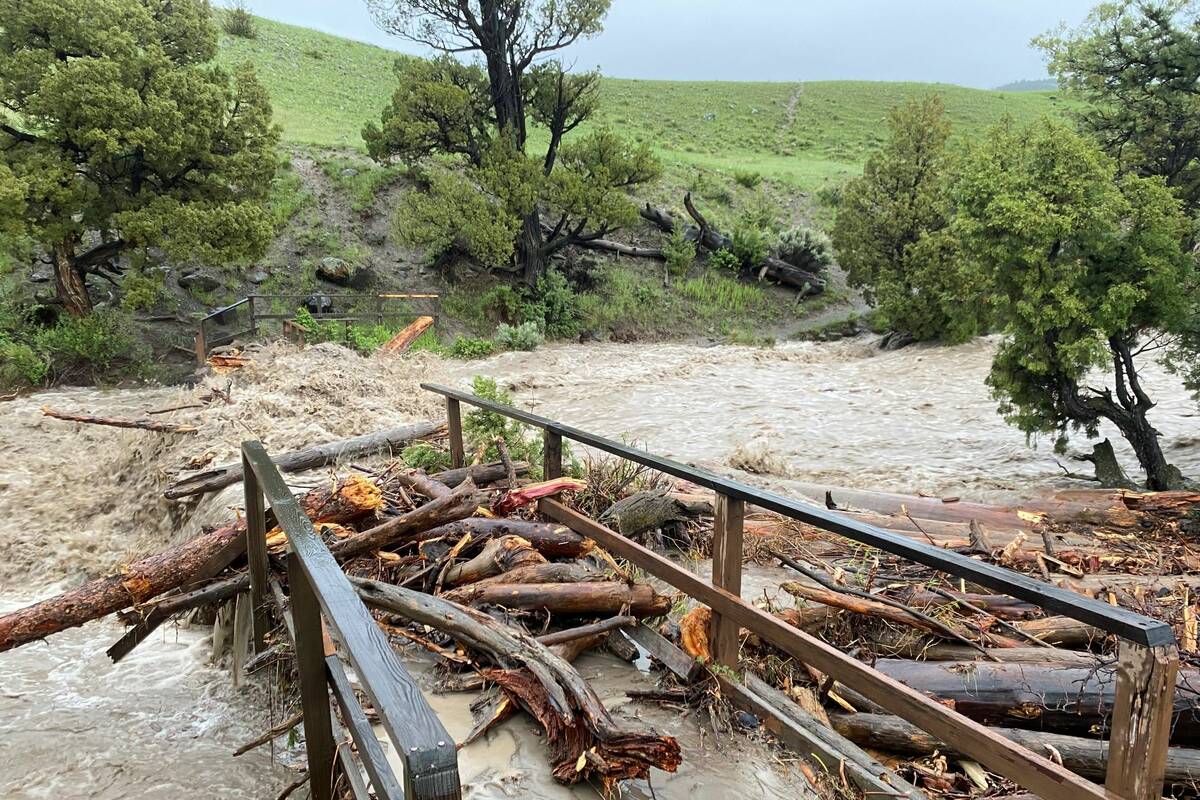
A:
x: 348, y: 172
x: 41, y: 275
x: 746, y: 720
x: 199, y: 281
x: 257, y: 276
x: 335, y: 270
x: 319, y: 304
x: 710, y: 117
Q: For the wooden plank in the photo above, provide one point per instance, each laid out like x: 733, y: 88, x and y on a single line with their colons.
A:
x: 1112, y: 619
x: 551, y: 455
x: 727, y: 574
x: 454, y: 426
x: 1006, y: 758
x: 256, y: 555
x: 430, y: 757
x: 314, y: 696
x: 678, y: 662
x: 1141, y: 721
x: 374, y: 761
x: 811, y: 739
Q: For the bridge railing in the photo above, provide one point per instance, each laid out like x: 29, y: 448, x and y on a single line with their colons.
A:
x: 245, y: 317
x: 1148, y: 658
x: 324, y: 615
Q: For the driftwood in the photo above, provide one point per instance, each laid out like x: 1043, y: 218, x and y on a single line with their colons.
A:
x: 1088, y: 757
x: 392, y: 440
x: 141, y: 424
x: 498, y: 555
x: 1048, y: 697
x: 645, y: 511
x: 460, y: 503
x: 546, y: 686
x: 481, y: 474
x: 549, y: 572
x: 588, y: 597
x: 549, y: 539
x: 405, y: 338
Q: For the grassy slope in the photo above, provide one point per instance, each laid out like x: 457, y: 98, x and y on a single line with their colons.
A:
x: 324, y: 89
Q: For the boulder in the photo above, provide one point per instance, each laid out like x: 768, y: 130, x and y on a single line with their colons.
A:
x: 349, y: 172
x: 257, y: 276
x: 199, y: 281
x: 41, y: 275
x: 335, y: 270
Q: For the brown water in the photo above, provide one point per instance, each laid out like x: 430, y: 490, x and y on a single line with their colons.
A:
x: 77, y: 501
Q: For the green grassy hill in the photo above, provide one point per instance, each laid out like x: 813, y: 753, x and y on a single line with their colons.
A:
x: 324, y: 89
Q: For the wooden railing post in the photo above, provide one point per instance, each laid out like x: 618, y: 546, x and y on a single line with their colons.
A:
x: 314, y: 690
x: 201, y: 346
x: 256, y: 553
x: 454, y: 425
x: 1141, y: 720
x: 253, y: 317
x: 551, y: 455
x: 727, y: 574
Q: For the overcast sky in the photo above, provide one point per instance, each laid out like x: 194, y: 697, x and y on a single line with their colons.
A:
x: 971, y: 42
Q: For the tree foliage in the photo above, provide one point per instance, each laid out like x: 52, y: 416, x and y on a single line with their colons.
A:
x: 1136, y: 66
x: 1087, y: 270
x: 480, y: 113
x: 118, y: 134
x: 890, y: 234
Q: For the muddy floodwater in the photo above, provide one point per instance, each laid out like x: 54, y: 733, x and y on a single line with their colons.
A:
x: 164, y: 722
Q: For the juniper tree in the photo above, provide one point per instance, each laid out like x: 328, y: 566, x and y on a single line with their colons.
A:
x: 118, y: 134
x: 481, y: 113
x: 1088, y: 271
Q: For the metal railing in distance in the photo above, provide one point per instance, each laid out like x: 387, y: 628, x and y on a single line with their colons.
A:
x: 1147, y: 662
x: 320, y: 597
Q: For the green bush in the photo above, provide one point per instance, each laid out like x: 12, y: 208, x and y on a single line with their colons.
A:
x: 468, y: 349
x: 425, y: 456
x: 482, y: 428
x: 96, y: 347
x: 680, y: 252
x: 20, y: 365
x: 140, y: 290
x: 805, y: 248
x: 725, y: 261
x: 747, y: 178
x: 552, y: 306
x: 830, y: 194
x: 525, y: 336
x: 238, y: 21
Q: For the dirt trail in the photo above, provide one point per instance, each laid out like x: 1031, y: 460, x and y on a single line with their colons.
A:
x: 792, y: 103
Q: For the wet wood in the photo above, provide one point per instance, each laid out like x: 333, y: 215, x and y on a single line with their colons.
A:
x: 140, y: 424
x: 645, y: 511
x: 480, y: 474
x: 498, y: 555
x: 728, y: 533
x: 595, y: 597
x: 409, y: 334
x: 545, y: 685
x: 1142, y: 719
x: 661, y: 650
x: 549, y: 539
x: 460, y: 503
x: 388, y: 442
x: 1088, y: 757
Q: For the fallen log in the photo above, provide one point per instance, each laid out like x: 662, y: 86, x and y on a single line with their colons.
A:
x: 480, y: 474
x: 524, y: 495
x: 1061, y: 631
x: 460, y: 503
x: 646, y: 511
x: 945, y: 651
x: 499, y: 555
x: 549, y: 539
x: 1088, y: 757
x: 998, y: 605
x: 576, y: 723
x: 141, y: 424
x: 1047, y: 697
x: 392, y: 440
x: 548, y: 572
x: 405, y: 338
x: 589, y: 597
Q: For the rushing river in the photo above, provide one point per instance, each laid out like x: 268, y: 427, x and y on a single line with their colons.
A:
x: 164, y: 722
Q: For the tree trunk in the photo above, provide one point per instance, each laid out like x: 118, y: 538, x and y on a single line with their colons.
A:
x: 1160, y: 475
x: 548, y: 538
x: 72, y: 289
x: 531, y: 253
x: 499, y: 555
x: 598, y: 597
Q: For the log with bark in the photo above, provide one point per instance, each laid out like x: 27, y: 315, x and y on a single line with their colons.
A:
x: 171, y: 569
x: 406, y: 528
x: 498, y: 555
x: 1050, y: 697
x: 389, y: 441
x: 1088, y: 757
x: 582, y: 598
x: 644, y: 511
x: 549, y: 539
x: 585, y: 741
x: 140, y: 424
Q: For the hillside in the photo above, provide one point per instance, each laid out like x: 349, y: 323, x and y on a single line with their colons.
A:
x: 325, y: 88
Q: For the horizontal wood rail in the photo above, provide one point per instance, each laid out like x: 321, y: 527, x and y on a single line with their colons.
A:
x: 1146, y: 667
x: 320, y: 597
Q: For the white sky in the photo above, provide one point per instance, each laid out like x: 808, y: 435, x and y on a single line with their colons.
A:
x: 971, y: 42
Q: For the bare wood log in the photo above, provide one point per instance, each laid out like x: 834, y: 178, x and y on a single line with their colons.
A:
x: 388, y: 441
x: 594, y: 597
x: 141, y: 424
x: 1049, y: 697
x: 645, y: 511
x: 998, y: 605
x: 1061, y: 631
x: 945, y: 651
x: 422, y: 484
x: 620, y: 248
x: 498, y: 555
x: 405, y: 338
x: 460, y: 503
x: 549, y: 572
x: 545, y: 685
x: 1088, y: 757
x: 480, y: 474
x: 549, y: 539
x: 586, y: 631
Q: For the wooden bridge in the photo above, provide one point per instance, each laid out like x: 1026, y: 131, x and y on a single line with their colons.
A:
x: 324, y: 616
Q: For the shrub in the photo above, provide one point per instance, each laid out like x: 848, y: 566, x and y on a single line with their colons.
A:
x: 680, y: 252
x: 747, y: 178
x: 830, y: 194
x: 141, y: 290
x: 468, y: 349
x: 552, y: 306
x: 101, y: 345
x: 238, y: 21
x: 725, y: 260
x: 424, y: 455
x: 749, y: 245
x: 525, y: 336
x: 482, y: 428
x: 20, y: 365
x: 805, y: 248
